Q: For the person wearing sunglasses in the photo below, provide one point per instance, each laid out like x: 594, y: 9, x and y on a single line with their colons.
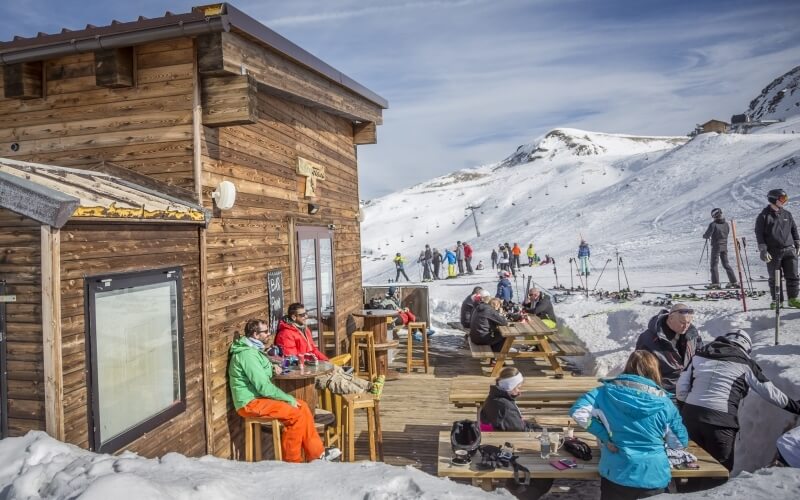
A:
x: 673, y: 339
x: 254, y: 394
x: 711, y: 388
x: 779, y: 246
x: 294, y: 336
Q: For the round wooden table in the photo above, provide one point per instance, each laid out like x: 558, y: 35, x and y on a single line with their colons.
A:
x: 375, y: 321
x: 300, y: 383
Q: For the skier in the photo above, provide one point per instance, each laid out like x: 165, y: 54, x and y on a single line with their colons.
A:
x: 779, y: 245
x: 583, y: 258
x: 427, y: 258
x: 516, y: 251
x: 504, y: 290
x: 531, y: 253
x: 468, y: 257
x: 717, y: 234
x: 450, y: 256
x: 494, y: 258
x: 460, y: 257
x: 437, y: 262
x: 502, y: 261
x: 399, y: 267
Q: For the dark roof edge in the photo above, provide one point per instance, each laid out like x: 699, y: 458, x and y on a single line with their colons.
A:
x: 172, y: 26
x: 36, y: 202
x: 255, y: 29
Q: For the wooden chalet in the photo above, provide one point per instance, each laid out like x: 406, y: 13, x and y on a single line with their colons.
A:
x: 718, y: 126
x: 116, y: 262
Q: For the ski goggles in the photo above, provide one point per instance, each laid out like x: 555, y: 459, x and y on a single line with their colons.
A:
x: 783, y: 198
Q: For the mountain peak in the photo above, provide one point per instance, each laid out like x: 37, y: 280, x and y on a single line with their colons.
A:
x: 779, y: 100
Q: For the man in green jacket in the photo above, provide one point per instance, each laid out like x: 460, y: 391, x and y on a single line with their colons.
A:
x: 254, y: 395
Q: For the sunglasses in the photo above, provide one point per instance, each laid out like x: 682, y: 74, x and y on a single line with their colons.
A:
x: 264, y: 331
x: 684, y: 311
x: 302, y: 315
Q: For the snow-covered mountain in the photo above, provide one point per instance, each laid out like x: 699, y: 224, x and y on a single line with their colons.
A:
x: 640, y: 195
x: 779, y: 100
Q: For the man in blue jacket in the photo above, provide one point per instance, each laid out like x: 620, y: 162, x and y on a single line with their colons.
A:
x: 504, y: 290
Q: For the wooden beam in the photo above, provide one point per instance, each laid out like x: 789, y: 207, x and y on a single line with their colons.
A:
x: 229, y: 100
x: 208, y: 402
x: 113, y: 68
x: 228, y: 53
x: 365, y: 133
x: 51, y: 332
x: 23, y: 80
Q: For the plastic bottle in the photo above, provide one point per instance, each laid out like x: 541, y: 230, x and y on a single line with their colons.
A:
x: 544, y: 444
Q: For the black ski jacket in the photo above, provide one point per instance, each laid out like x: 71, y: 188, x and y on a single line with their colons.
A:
x: 717, y: 380
x: 717, y: 234
x: 484, y: 323
x: 542, y: 308
x: 671, y: 360
x: 466, y: 311
x: 777, y: 230
x: 501, y: 412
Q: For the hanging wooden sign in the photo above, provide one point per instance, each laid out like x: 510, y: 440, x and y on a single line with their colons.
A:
x: 313, y: 172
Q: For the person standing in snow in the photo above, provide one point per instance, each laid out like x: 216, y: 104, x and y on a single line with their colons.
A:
x: 583, y: 258
x: 460, y: 257
x: 531, y: 253
x: 468, y: 257
x: 503, y: 260
x: 427, y: 258
x: 450, y: 257
x: 673, y: 339
x: 717, y: 235
x: 437, y: 262
x: 255, y: 395
x: 494, y: 258
x: 399, y: 266
x: 516, y: 251
x: 504, y: 290
x: 633, y: 418
x: 779, y: 245
x: 712, y: 387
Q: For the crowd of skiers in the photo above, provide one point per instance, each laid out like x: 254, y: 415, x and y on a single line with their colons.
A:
x: 508, y: 258
x: 454, y: 262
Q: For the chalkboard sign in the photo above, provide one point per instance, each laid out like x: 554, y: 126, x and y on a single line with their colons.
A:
x: 275, y: 287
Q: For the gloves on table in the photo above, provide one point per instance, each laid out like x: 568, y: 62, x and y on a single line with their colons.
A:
x: 763, y: 254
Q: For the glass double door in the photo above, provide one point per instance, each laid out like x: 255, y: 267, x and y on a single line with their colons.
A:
x: 315, y: 274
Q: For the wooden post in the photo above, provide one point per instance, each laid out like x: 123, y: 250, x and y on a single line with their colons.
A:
x: 739, y: 265
x: 51, y: 332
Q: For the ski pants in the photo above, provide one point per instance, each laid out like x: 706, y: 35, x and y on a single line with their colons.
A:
x: 451, y: 270
x: 400, y: 271
x: 436, y: 271
x: 461, y: 266
x: 718, y: 253
x: 426, y: 274
x: 530, y: 260
x: 494, y: 263
x: 610, y: 490
x: 299, y: 434
x: 786, y: 260
x: 468, y: 261
x: 583, y: 262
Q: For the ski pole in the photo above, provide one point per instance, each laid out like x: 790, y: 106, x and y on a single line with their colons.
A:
x: 571, y: 282
x: 747, y: 261
x: 619, y: 285
x: 705, y: 247
x: 555, y: 271
x: 627, y: 284
x: 601, y: 274
x: 739, y: 266
x: 778, y: 291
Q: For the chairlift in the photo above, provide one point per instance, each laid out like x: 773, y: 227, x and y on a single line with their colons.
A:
x: 513, y: 204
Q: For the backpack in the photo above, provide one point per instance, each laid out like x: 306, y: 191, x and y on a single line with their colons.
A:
x: 465, y: 435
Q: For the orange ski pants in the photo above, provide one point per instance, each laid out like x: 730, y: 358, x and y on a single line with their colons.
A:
x: 298, y: 435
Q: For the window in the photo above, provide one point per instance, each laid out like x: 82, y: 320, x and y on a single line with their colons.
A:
x: 315, y: 255
x: 135, y: 331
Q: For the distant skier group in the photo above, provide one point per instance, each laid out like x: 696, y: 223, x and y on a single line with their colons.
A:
x: 457, y: 260
x: 507, y: 258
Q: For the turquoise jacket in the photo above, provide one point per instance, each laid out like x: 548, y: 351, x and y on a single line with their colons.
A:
x: 639, y: 418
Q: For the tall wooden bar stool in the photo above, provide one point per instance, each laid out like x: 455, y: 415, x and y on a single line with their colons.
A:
x: 364, y: 340
x: 410, y: 361
x: 351, y: 403
x: 252, y: 437
x: 330, y: 402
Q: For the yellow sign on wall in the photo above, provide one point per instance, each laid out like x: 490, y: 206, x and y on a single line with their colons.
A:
x: 313, y: 172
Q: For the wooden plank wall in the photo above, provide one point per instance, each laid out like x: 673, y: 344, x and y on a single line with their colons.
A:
x: 87, y: 250
x: 146, y: 127
x: 20, y: 266
x: 254, y: 236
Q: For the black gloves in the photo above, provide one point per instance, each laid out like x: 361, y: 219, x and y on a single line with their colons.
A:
x: 764, y: 255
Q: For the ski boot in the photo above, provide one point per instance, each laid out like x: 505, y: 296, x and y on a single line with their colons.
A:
x: 773, y: 305
x: 794, y: 303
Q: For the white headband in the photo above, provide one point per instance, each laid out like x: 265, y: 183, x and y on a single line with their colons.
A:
x: 508, y: 384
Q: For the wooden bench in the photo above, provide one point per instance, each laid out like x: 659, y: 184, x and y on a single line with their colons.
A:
x: 480, y: 351
x: 538, y: 392
x: 527, y: 448
x: 566, y: 347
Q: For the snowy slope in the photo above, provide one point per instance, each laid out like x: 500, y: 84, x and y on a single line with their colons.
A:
x: 779, y: 100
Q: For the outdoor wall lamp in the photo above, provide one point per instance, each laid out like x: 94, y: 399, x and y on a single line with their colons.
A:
x: 313, y: 208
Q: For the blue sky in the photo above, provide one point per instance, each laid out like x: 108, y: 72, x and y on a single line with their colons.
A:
x: 470, y: 80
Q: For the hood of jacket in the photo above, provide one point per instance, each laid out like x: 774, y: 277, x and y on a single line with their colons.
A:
x: 240, y: 345
x: 636, y: 397
x: 723, y: 349
x: 498, y: 393
x: 657, y: 325
x: 720, y: 221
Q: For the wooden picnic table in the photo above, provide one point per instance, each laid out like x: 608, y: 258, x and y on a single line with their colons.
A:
x: 532, y: 332
x: 375, y: 321
x: 526, y: 445
x: 300, y: 383
x: 539, y: 392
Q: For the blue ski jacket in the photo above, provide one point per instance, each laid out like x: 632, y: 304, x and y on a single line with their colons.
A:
x: 504, y: 290
x: 583, y: 251
x: 639, y: 418
x: 450, y: 257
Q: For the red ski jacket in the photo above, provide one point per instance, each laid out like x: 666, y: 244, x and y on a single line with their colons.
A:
x: 295, y: 343
x: 467, y: 251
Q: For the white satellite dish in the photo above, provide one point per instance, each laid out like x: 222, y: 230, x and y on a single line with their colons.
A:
x: 225, y: 195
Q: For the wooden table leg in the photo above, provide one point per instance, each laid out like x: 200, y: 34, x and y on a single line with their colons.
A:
x: 483, y: 483
x: 551, y: 356
x: 501, y: 356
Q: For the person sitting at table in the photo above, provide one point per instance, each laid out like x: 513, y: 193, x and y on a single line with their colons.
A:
x: 500, y: 411
x: 485, y: 319
x: 254, y: 395
x: 294, y: 336
x: 632, y: 417
x: 468, y: 305
x: 540, y: 305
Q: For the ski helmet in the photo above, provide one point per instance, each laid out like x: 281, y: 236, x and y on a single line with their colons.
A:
x: 465, y: 435
x: 741, y: 339
x: 716, y: 213
x: 776, y: 194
